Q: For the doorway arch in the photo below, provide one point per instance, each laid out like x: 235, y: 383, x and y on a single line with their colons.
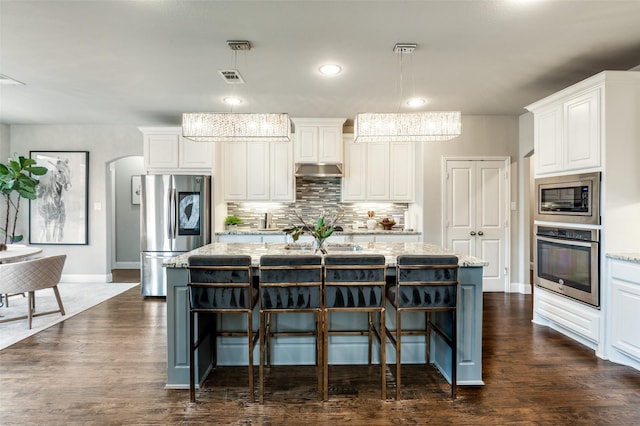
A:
x: 124, y: 213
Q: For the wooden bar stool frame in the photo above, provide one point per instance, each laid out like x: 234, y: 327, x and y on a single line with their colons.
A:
x: 451, y: 341
x: 252, y: 339
x: 357, y: 264
x: 265, y: 313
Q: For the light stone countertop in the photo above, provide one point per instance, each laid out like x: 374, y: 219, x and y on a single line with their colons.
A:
x: 347, y: 231
x: 630, y: 257
x: 255, y: 250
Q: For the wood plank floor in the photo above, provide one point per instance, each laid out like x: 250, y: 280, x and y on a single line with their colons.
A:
x: 107, y: 366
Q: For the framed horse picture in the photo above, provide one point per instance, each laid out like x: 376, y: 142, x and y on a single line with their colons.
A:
x: 59, y: 214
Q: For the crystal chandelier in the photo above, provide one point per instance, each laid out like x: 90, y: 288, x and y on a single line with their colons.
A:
x: 407, y: 127
x: 236, y: 127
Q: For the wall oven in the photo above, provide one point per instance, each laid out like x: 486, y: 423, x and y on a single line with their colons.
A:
x: 568, y: 262
x: 570, y: 198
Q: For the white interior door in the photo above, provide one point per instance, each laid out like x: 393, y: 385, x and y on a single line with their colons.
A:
x: 476, y: 194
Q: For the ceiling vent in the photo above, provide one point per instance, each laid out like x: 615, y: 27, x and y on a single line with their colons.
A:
x: 231, y: 76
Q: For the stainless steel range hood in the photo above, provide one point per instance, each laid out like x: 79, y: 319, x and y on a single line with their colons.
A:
x: 318, y: 170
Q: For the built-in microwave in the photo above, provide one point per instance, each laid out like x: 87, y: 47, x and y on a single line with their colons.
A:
x: 569, y: 198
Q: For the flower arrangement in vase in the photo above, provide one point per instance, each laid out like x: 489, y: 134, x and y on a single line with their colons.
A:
x: 321, y: 229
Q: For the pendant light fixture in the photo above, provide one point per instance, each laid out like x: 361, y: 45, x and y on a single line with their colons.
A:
x: 236, y: 127
x: 409, y: 127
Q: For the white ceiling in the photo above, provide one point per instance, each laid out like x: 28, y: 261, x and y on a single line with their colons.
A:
x: 146, y: 62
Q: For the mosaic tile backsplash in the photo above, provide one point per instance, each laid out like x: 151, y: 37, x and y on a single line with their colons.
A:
x: 314, y: 196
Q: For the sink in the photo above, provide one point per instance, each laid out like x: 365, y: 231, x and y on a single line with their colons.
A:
x: 343, y: 247
x: 298, y: 247
x: 330, y: 247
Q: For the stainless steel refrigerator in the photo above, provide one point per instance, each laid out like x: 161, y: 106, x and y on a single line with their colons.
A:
x: 175, y: 217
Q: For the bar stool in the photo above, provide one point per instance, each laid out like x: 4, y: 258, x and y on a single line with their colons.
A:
x: 220, y: 284
x: 425, y: 283
x: 355, y: 283
x: 290, y: 284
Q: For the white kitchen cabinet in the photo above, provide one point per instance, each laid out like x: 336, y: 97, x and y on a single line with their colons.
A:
x: 567, y: 132
x: 166, y: 151
x: 624, y: 281
x: 281, y: 172
x: 354, y: 179
x: 582, y: 131
x: 378, y: 171
x: 318, y: 140
x: 257, y: 171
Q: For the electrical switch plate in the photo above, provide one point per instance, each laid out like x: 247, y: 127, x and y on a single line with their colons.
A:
x: 514, y: 206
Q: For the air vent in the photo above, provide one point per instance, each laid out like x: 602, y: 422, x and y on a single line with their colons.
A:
x: 231, y: 76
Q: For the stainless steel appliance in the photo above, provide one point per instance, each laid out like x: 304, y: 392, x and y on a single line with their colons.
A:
x: 570, y: 198
x: 568, y: 262
x: 175, y: 217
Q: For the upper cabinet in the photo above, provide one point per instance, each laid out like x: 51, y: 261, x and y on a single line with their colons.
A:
x: 378, y: 171
x: 257, y: 171
x: 567, y: 130
x: 318, y: 140
x: 166, y: 151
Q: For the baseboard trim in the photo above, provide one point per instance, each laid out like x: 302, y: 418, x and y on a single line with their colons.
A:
x: 522, y: 288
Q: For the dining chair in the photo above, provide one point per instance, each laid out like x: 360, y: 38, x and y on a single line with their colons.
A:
x: 355, y: 283
x: 289, y: 284
x: 30, y: 275
x: 429, y: 284
x: 218, y: 285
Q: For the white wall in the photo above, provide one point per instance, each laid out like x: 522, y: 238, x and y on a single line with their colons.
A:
x: 525, y: 172
x: 104, y: 143
x: 5, y: 133
x: 127, y: 215
x: 481, y: 136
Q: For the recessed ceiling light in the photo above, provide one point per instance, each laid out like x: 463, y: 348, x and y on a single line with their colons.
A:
x: 330, y: 69
x: 232, y: 100
x: 416, y: 102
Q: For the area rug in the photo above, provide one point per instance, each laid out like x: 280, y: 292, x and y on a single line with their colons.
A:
x: 76, y: 297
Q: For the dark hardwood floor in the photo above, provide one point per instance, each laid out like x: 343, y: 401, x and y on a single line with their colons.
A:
x: 107, y: 366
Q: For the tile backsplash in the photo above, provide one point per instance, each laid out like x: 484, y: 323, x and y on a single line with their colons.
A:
x: 313, y: 196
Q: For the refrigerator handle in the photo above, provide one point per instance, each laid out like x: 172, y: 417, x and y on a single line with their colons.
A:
x: 172, y: 213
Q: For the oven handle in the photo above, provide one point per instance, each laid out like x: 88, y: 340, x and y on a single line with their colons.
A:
x: 567, y: 242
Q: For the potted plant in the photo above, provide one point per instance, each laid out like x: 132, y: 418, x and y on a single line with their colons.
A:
x: 232, y: 223
x: 320, y: 230
x: 15, y: 177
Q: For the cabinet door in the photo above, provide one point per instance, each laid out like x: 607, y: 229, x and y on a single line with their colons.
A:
x: 548, y: 140
x: 378, y: 171
x: 306, y: 144
x: 257, y: 171
x: 282, y: 183
x: 582, y: 131
x: 161, y: 151
x: 401, y: 171
x: 195, y: 155
x: 330, y: 144
x: 235, y: 170
x: 355, y: 172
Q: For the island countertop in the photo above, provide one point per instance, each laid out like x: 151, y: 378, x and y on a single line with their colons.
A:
x: 389, y: 250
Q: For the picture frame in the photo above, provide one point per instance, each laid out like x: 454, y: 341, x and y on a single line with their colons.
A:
x: 136, y: 189
x: 60, y: 213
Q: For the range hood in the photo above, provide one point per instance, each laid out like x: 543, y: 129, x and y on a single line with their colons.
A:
x: 318, y: 170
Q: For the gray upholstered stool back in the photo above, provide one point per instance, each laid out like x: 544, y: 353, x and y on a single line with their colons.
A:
x: 290, y: 282
x: 354, y: 280
x: 221, y: 282
x: 425, y: 281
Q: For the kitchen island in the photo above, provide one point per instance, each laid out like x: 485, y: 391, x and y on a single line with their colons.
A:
x: 344, y: 349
